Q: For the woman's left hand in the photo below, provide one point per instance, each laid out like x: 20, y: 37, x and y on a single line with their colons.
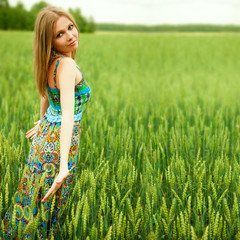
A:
x: 61, y: 177
x: 33, y: 131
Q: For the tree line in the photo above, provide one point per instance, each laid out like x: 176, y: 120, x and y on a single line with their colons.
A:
x: 167, y: 28
x: 18, y: 18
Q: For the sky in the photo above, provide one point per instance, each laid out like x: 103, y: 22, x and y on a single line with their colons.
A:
x: 152, y: 12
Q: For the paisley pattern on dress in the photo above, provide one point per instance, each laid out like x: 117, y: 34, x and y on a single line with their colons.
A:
x: 41, y: 168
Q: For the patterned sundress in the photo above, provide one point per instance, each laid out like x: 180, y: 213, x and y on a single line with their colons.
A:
x: 41, y: 167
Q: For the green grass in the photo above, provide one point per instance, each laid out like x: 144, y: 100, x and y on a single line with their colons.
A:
x: 159, y: 151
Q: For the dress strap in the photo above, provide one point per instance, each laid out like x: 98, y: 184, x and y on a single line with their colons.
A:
x: 55, y: 72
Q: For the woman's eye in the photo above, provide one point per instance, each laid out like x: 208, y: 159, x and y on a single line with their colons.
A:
x: 71, y: 26
x: 59, y: 35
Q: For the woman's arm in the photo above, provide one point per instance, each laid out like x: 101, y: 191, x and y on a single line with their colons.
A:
x: 44, y: 104
x: 67, y: 75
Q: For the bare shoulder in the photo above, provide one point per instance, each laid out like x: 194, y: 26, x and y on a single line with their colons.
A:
x: 66, y: 73
x: 67, y: 63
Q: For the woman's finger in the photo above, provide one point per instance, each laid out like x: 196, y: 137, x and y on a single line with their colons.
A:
x: 52, y: 190
x: 33, y: 136
x: 33, y: 129
x: 30, y: 134
x: 30, y: 130
x: 48, y: 194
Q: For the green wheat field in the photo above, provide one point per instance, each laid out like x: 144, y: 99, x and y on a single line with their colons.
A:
x: 159, y: 150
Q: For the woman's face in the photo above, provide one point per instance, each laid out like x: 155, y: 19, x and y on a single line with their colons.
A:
x: 65, y: 36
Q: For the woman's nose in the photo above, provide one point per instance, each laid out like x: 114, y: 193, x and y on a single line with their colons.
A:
x: 70, y: 35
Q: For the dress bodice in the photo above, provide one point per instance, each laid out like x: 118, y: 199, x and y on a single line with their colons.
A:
x: 82, y: 96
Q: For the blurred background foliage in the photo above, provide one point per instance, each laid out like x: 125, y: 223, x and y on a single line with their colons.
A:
x: 18, y: 18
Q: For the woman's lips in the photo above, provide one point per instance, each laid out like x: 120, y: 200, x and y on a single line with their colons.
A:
x: 73, y: 43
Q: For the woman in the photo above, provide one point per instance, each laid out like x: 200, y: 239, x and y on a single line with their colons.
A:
x: 49, y: 171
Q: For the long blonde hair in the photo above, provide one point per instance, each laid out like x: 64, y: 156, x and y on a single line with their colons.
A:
x: 42, y: 46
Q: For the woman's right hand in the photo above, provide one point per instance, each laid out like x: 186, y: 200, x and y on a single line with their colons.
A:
x: 33, y: 131
x: 58, y: 181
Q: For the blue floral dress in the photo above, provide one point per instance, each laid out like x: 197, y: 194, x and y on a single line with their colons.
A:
x: 41, y: 167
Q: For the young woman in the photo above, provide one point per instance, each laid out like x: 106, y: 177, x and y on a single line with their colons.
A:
x: 44, y: 187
